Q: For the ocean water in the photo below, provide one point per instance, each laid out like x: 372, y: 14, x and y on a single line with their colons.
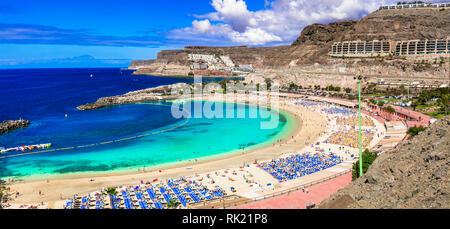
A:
x: 113, y: 138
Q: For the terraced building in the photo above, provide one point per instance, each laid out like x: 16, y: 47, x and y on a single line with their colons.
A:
x: 359, y: 48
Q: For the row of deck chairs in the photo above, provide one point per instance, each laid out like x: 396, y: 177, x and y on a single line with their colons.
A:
x: 336, y: 110
x: 87, y: 202
x: 157, y: 196
x: 299, y: 165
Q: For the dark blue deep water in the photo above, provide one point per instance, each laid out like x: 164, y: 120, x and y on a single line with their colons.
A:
x: 44, y: 96
x: 36, y: 93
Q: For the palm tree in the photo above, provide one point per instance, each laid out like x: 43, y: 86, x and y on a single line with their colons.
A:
x: 1, y: 197
x: 3, y: 193
x: 445, y: 101
x: 111, y: 191
x: 172, y: 204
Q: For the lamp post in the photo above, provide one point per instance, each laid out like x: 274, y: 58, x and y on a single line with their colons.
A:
x: 409, y: 83
x: 360, y: 77
x: 409, y: 79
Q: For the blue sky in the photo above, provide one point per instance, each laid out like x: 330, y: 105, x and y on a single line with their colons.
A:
x: 103, y: 33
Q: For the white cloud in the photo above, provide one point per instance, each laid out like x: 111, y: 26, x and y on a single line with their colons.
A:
x: 254, y: 36
x: 279, y: 23
x: 234, y: 13
x: 201, y: 26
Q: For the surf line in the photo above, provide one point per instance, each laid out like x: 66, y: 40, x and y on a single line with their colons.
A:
x: 102, y: 143
x: 154, y: 104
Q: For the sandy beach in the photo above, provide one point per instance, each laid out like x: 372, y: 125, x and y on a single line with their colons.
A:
x: 307, y: 126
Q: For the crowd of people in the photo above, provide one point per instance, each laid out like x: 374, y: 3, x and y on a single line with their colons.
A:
x: 343, y: 125
x: 338, y: 111
x: 350, y: 138
x: 354, y: 121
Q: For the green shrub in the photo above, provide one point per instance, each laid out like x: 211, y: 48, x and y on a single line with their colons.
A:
x: 413, y: 131
x: 268, y: 82
x: 390, y: 109
x: 293, y: 86
x: 367, y: 158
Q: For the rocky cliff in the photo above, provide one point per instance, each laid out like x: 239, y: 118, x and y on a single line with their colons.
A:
x: 11, y: 125
x: 402, y: 24
x: 239, y: 55
x: 315, y: 40
x: 416, y: 175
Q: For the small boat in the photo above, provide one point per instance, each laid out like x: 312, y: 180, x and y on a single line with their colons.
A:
x: 2, y: 151
x: 30, y: 147
x: 92, y: 75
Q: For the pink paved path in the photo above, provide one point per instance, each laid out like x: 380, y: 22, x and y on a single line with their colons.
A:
x: 299, y: 199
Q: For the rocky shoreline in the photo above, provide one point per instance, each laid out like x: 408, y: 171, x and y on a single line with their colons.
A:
x: 184, y: 73
x: 171, y: 75
x: 11, y: 125
x: 150, y: 94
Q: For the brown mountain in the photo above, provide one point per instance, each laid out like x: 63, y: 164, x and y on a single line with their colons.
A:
x: 315, y: 40
x: 306, y: 60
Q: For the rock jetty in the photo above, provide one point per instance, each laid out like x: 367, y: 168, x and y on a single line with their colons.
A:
x: 11, y: 125
x: 150, y: 94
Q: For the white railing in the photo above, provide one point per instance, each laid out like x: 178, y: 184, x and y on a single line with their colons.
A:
x: 417, y: 5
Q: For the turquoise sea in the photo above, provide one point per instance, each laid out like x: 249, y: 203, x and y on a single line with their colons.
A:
x: 114, y: 138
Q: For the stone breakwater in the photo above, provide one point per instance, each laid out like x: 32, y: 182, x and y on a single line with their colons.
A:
x: 11, y: 125
x: 145, y: 95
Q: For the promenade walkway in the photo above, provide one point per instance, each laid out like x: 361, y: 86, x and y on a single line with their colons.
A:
x: 300, y: 199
